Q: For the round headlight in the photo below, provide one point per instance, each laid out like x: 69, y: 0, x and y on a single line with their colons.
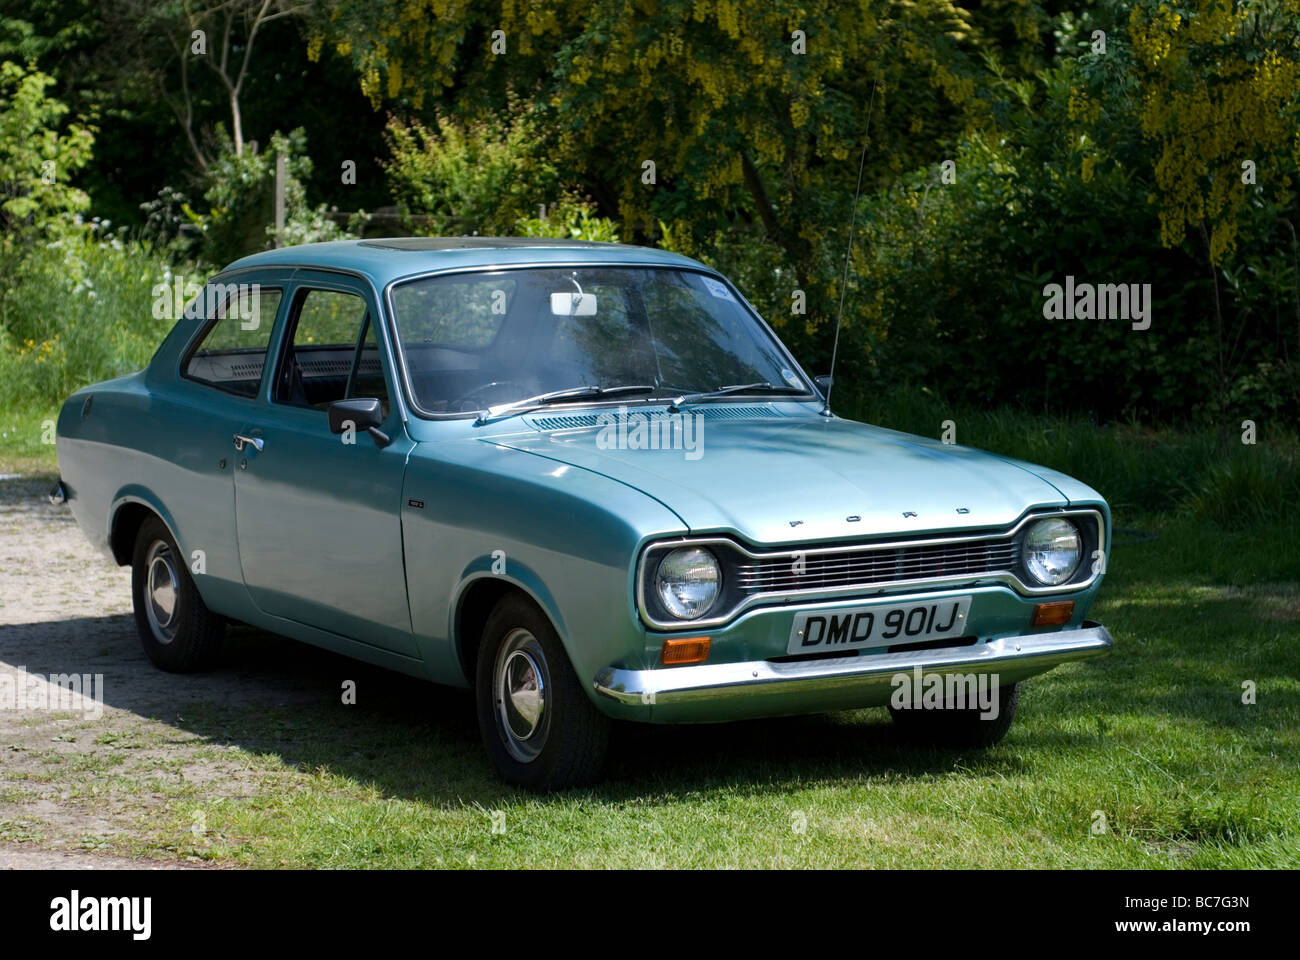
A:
x: 688, y: 580
x: 1052, y: 550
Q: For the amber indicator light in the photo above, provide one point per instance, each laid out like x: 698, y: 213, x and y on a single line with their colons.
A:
x: 1053, y: 614
x: 686, y: 650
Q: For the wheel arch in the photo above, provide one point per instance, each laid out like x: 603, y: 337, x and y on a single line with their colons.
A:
x: 131, y: 508
x: 474, y: 604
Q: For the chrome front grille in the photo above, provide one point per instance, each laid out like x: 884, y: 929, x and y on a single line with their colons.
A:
x: 867, y: 566
x: 818, y: 572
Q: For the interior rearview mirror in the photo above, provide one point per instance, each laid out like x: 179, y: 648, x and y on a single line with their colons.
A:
x: 573, y: 304
x: 361, y: 414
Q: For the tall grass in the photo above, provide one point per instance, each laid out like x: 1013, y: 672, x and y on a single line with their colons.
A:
x: 1140, y: 469
x: 75, y: 311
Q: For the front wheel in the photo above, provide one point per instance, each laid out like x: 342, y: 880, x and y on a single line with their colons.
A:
x: 540, y: 729
x: 179, y: 633
x: 965, y: 728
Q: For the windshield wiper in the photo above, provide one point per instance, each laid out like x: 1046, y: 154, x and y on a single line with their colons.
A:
x: 761, y: 387
x: 568, y: 395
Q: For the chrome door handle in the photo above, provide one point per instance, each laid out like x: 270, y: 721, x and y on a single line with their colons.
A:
x: 255, y: 442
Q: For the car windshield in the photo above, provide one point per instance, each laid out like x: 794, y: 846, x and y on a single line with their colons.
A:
x: 477, y: 340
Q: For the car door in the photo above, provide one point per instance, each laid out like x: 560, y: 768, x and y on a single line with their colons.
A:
x: 318, y: 514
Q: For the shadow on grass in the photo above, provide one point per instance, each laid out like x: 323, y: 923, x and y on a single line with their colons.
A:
x: 274, y: 697
x: 410, y: 739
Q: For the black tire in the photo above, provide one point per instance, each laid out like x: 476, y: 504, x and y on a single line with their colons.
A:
x: 962, y: 729
x: 552, y: 740
x: 187, y: 637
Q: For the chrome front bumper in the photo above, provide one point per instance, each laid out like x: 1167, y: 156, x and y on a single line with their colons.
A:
x: 725, y: 691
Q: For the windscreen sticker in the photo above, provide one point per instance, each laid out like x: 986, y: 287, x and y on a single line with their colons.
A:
x: 718, y: 289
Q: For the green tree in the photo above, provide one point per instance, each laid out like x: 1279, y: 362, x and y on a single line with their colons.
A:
x: 753, y: 116
x: 475, y: 175
x: 1212, y: 101
x: 240, y: 192
x: 38, y: 155
x: 1221, y: 105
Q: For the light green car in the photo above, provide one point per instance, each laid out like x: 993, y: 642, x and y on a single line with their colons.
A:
x: 586, y: 480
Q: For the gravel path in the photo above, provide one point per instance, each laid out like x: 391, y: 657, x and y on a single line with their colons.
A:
x: 112, y: 777
x: 48, y: 570
x: 25, y: 857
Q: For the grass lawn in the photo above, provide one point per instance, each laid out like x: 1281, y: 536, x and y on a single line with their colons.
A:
x: 22, y: 432
x: 1155, y: 737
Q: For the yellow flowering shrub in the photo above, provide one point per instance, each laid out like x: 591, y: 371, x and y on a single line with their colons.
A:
x: 1221, y: 93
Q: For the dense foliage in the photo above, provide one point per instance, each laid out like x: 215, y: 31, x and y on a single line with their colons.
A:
x: 1006, y: 147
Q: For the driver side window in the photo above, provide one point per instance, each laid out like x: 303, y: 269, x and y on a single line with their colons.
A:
x: 331, y: 354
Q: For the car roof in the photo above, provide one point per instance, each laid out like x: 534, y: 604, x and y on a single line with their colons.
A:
x: 384, y: 260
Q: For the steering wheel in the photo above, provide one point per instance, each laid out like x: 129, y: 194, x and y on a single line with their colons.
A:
x: 463, y: 404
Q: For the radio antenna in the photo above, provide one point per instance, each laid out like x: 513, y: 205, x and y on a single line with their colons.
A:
x: 848, y: 253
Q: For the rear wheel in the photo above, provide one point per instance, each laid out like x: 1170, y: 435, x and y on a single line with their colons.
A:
x: 540, y: 729
x: 179, y: 633
x: 965, y: 728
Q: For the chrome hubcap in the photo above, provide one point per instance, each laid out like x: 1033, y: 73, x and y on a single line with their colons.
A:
x: 523, y: 687
x: 162, y: 591
x: 520, y: 687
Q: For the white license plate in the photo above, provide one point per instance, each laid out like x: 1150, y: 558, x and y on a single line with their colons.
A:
x: 853, y: 628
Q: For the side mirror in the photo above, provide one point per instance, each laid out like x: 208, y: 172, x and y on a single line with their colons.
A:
x: 362, y: 414
x: 823, y: 383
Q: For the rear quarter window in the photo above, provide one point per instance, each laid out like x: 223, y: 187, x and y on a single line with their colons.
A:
x: 231, y: 353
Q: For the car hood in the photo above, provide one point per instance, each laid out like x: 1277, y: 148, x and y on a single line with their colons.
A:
x: 786, y: 479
